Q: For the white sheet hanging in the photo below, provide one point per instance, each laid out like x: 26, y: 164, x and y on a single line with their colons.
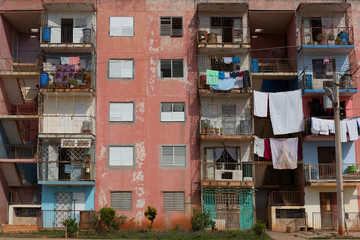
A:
x: 352, y: 129
x: 260, y: 104
x: 286, y: 112
x: 343, y: 131
x: 284, y: 152
x: 259, y: 146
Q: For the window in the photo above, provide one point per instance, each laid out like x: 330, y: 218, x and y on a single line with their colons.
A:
x: 230, y: 28
x: 173, y: 155
x: 171, y: 68
x: 26, y: 212
x: 323, y: 69
x: 121, y: 26
x: 173, y: 112
x: 121, y: 68
x: 174, y: 201
x: 121, y: 112
x: 171, y: 26
x: 121, y: 200
x: 121, y: 156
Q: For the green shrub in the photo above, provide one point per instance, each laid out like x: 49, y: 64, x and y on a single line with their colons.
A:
x: 71, y: 226
x: 107, y: 215
x: 201, y: 220
x: 259, y: 228
x: 150, y: 214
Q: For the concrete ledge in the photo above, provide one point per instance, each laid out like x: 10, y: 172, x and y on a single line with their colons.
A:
x: 6, y: 229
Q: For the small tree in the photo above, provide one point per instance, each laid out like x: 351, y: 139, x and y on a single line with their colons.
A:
x: 105, y: 220
x: 201, y: 220
x: 150, y: 214
x: 71, y: 226
x: 107, y: 215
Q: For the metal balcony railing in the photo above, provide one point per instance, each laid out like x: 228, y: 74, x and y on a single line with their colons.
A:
x: 66, y: 124
x: 275, y: 65
x: 311, y: 81
x: 18, y: 151
x: 226, y: 125
x: 325, y: 36
x: 24, y: 195
x: 30, y: 108
x: 286, y: 198
x: 77, y: 35
x: 328, y: 220
x: 227, y: 171
x: 66, y: 171
x: 223, y: 35
x: 326, y: 172
x: 55, y: 218
x: 67, y: 77
x: 20, y: 64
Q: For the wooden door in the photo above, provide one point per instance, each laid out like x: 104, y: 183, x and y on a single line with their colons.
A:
x: 327, y: 166
x: 328, y: 210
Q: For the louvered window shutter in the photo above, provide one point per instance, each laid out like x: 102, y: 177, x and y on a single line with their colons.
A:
x: 121, y: 156
x: 121, y: 200
x: 122, y: 26
x: 122, y: 112
x: 174, y: 201
x: 167, y: 155
x: 165, y: 26
x: 177, y: 66
x: 179, y: 155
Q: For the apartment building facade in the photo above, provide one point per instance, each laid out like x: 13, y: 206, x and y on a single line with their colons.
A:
x: 151, y: 103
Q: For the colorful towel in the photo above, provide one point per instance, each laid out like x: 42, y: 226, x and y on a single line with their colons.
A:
x: 75, y: 61
x: 224, y: 84
x: 212, y: 77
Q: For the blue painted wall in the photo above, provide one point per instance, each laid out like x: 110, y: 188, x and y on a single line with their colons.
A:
x: 53, y: 219
x: 310, y: 154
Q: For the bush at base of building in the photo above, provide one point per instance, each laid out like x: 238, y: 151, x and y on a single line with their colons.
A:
x: 105, y: 220
x: 201, y: 220
x: 71, y: 226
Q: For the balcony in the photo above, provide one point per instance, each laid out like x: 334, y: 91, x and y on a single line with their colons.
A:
x: 325, y: 40
x: 65, y: 124
x: 19, y: 67
x: 325, y: 174
x: 314, y: 86
x: 227, y: 174
x: 24, y: 195
x: 226, y: 127
x: 76, y: 40
x: 66, y: 172
x: 18, y: 153
x: 286, y: 198
x: 22, y: 111
x: 274, y: 68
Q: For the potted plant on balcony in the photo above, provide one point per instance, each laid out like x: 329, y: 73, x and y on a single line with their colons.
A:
x: 217, y: 130
x: 331, y: 39
x: 202, y: 35
x: 206, y: 127
x: 221, y: 131
x: 320, y: 38
x: 212, y: 130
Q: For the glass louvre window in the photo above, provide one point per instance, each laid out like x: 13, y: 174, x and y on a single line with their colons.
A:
x: 171, y: 68
x: 173, y: 155
x: 173, y: 112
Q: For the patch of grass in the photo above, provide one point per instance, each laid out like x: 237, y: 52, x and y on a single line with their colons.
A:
x: 173, y: 234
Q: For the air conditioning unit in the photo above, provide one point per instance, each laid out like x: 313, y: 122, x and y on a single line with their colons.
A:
x: 228, y: 175
x: 75, y: 143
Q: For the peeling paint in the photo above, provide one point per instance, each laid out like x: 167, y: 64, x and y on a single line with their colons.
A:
x: 138, y: 177
x: 102, y: 152
x: 140, y: 203
x: 139, y: 191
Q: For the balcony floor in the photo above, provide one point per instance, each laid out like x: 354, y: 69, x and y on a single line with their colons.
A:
x: 332, y: 183
x: 67, y: 183
x: 234, y: 93
x: 218, y: 48
x: 67, y: 47
x: 320, y: 92
x: 227, y: 183
x: 274, y: 75
x: 19, y: 73
x: 226, y: 137
x: 325, y: 49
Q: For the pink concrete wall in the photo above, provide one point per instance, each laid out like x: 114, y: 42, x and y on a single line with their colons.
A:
x: 147, y: 133
x: 6, y: 44
x: 21, y: 5
x: 4, y: 192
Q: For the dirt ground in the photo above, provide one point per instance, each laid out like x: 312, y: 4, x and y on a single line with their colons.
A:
x: 309, y: 235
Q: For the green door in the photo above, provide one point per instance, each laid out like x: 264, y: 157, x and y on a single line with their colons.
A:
x: 209, y: 203
x: 246, y: 209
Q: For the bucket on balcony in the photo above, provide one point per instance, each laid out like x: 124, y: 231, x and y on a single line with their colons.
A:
x: 87, y: 35
x: 46, y: 34
x: 254, y: 65
x: 44, y: 78
x: 327, y: 102
x: 308, y: 82
x: 212, y: 38
x: 352, y: 169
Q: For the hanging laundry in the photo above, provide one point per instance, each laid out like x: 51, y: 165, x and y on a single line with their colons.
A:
x: 259, y: 146
x: 236, y: 59
x: 212, y: 77
x: 343, y: 131
x: 267, y: 149
x: 227, y: 60
x: 219, y: 60
x: 315, y: 125
x: 326, y: 60
x: 358, y: 121
x: 246, y: 80
x: 64, y: 60
x: 224, y: 84
x: 260, y: 104
x: 352, y: 129
x: 284, y: 153
x: 239, y: 81
x: 75, y: 61
x: 226, y: 74
x: 221, y: 75
x: 286, y: 112
x: 331, y: 125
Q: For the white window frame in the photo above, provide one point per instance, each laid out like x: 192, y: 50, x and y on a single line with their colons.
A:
x: 125, y: 163
x: 174, y: 147
x: 126, y: 193
x: 171, y: 194
x: 172, y: 116
x: 123, y: 107
x: 117, y: 25
x: 171, y: 68
x: 119, y: 63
